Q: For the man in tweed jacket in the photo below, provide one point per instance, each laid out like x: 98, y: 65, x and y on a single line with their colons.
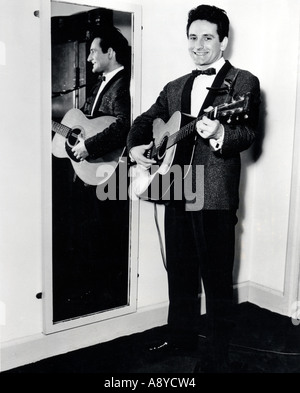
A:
x: 203, y: 238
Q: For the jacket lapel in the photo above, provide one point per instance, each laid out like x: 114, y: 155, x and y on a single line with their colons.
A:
x: 216, y: 84
x: 186, y: 93
x: 186, y: 96
x: 107, y: 86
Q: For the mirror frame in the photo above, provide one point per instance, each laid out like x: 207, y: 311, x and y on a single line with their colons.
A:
x: 46, y: 105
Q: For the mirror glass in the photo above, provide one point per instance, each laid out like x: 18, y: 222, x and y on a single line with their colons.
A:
x: 90, y: 237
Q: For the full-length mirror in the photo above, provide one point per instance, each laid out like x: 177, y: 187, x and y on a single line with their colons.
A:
x: 92, y: 108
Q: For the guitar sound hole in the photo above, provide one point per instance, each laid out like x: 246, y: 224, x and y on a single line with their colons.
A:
x: 162, y: 148
x: 71, y: 141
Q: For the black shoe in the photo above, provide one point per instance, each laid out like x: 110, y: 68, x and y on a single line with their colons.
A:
x: 160, y: 346
x: 172, y: 347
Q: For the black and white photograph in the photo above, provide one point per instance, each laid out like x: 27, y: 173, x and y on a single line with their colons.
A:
x: 150, y: 203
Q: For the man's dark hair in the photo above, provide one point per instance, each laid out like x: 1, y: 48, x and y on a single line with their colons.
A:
x: 213, y: 15
x: 111, y: 37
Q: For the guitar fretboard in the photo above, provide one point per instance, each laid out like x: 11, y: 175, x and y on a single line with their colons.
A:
x: 60, y: 128
x: 182, y: 133
x: 177, y: 136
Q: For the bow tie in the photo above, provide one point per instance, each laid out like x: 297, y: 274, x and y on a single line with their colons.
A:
x: 101, y: 78
x: 208, y: 71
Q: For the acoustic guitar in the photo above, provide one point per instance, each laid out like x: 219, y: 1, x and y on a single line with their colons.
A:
x: 155, y: 184
x: 73, y: 125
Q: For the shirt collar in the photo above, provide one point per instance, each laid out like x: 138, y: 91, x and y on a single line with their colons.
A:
x: 217, y: 64
x: 111, y: 74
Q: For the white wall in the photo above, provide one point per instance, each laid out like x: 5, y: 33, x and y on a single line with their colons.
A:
x: 265, y: 38
x: 21, y: 170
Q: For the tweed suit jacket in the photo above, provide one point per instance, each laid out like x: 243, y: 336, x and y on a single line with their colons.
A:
x: 221, y: 168
x: 114, y: 100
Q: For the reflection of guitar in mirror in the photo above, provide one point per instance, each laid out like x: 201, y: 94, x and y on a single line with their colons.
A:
x: 155, y: 183
x: 73, y: 125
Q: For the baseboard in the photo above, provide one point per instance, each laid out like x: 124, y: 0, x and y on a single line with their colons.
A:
x: 261, y: 296
x: 241, y: 292
x: 31, y: 349
x: 268, y: 298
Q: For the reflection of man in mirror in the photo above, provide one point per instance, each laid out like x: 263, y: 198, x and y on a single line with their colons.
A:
x: 92, y: 260
x: 108, y: 54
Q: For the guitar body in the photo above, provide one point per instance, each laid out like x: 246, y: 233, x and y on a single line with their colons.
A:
x: 173, y: 163
x: 92, y: 172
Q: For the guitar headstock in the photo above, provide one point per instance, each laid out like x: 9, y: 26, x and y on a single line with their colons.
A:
x: 237, y: 109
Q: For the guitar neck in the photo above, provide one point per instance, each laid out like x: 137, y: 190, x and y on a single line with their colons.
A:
x: 60, y: 128
x: 184, y: 132
x: 238, y: 108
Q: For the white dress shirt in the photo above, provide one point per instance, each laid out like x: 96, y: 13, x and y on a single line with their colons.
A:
x: 199, y: 93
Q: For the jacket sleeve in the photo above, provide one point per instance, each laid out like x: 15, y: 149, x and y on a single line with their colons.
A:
x: 113, y: 137
x: 240, y: 134
x: 141, y: 130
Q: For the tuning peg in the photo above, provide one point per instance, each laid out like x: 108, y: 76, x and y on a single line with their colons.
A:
x: 246, y: 117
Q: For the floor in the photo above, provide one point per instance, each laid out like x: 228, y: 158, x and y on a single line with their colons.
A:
x: 263, y: 342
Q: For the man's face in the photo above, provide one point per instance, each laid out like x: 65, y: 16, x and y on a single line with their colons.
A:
x: 97, y: 57
x: 204, y: 43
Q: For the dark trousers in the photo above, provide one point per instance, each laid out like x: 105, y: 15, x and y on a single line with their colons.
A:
x: 200, y: 245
